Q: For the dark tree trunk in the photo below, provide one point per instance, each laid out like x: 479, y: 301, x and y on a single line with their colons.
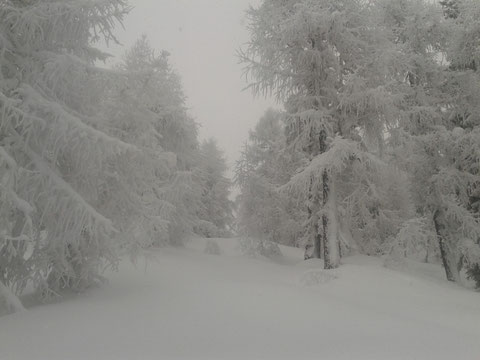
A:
x: 318, y: 244
x: 316, y: 238
x: 325, y: 222
x: 329, y: 247
x: 442, y: 237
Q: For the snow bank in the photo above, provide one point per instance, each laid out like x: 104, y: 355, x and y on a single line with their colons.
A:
x: 189, y: 305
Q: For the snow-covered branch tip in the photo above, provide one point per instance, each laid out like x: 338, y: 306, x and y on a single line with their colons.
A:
x: 35, y: 100
x: 339, y: 155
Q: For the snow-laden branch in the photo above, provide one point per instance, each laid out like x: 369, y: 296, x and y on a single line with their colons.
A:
x: 34, y: 99
x: 468, y: 223
x: 449, y: 180
x: 10, y: 161
x: 21, y: 238
x: 61, y: 184
x: 333, y: 161
x: 71, y: 19
x: 20, y: 204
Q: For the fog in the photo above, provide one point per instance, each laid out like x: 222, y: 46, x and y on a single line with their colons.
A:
x: 202, y: 37
x: 351, y: 229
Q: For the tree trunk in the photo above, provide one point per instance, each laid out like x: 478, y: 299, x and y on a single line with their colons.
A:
x: 311, y: 239
x: 438, y: 220
x: 315, y: 234
x: 329, y: 225
x: 317, y: 237
x: 318, y: 243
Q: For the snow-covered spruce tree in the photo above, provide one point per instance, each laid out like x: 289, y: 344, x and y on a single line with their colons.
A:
x: 437, y: 135
x: 135, y: 97
x: 216, y: 209
x: 265, y: 164
x: 461, y: 103
x: 437, y: 132
x: 330, y: 62
x: 54, y: 160
x: 173, y: 137
x: 467, y: 37
x: 179, y: 136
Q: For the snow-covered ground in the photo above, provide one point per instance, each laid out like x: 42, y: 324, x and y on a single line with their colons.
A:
x: 189, y: 305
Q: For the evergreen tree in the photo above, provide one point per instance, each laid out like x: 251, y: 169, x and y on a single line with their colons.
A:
x: 53, y: 157
x: 173, y: 140
x: 461, y: 98
x: 265, y: 165
x: 216, y: 210
x: 135, y: 99
x: 331, y: 63
x: 435, y: 136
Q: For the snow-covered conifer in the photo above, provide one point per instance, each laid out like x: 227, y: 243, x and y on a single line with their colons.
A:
x: 266, y: 164
x: 436, y: 137
x: 331, y: 64
x: 216, y: 209
x: 55, y: 160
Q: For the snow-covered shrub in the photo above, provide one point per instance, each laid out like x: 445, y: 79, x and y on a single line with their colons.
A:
x: 470, y: 258
x: 250, y: 246
x: 212, y: 248
x: 255, y: 247
x: 473, y: 273
x: 205, y: 228
x: 270, y: 250
x: 412, y: 239
x: 9, y: 303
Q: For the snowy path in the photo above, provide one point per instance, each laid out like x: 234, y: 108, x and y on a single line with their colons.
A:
x: 189, y: 305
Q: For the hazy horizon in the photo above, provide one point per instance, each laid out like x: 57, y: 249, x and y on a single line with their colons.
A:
x: 202, y: 38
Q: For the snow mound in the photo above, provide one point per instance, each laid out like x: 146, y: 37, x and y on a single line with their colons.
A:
x: 317, y: 277
x: 212, y: 248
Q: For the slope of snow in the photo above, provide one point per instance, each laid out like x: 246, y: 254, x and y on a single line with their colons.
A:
x: 185, y: 304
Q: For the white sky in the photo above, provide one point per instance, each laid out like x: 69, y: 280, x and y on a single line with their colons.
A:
x: 202, y: 37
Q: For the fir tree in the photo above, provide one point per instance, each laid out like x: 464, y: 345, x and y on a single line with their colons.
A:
x: 216, y: 210
x: 436, y: 130
x: 266, y: 164
x: 331, y: 64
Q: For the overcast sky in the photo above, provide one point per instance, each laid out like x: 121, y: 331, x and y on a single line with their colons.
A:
x: 202, y: 37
